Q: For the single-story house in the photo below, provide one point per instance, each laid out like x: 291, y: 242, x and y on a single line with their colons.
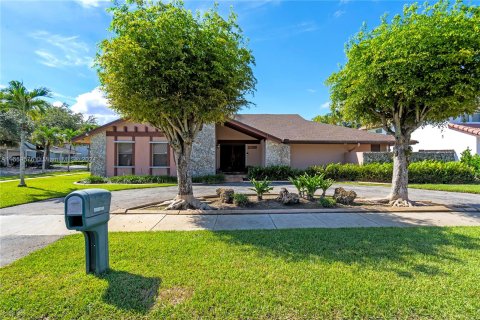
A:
x: 123, y: 147
x: 458, y: 134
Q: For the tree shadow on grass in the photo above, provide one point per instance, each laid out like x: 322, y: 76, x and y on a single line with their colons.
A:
x: 405, y: 251
x: 131, y: 292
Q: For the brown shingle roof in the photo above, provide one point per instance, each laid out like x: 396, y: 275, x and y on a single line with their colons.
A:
x: 292, y: 128
x: 468, y: 128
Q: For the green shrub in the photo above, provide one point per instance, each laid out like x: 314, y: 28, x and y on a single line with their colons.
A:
x: 209, y: 179
x: 240, y: 200
x: 327, y: 202
x: 427, y: 171
x: 134, y: 179
x: 282, y: 173
x: 94, y: 180
x: 441, y: 172
x: 470, y: 160
x: 260, y: 187
x: 310, y: 183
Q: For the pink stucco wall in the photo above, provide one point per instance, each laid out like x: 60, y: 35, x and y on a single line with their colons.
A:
x: 142, y: 151
x: 305, y: 155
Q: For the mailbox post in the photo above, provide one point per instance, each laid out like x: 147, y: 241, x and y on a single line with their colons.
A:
x: 88, y: 211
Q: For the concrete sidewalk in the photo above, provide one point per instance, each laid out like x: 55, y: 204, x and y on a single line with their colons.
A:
x: 54, y: 224
x: 23, y: 234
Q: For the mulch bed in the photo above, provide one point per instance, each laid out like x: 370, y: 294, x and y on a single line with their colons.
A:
x: 269, y: 202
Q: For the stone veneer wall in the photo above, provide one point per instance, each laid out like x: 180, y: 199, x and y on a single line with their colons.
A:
x: 203, y: 152
x: 276, y: 154
x: 382, y: 157
x: 98, y: 152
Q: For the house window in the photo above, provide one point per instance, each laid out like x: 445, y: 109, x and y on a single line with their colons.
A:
x: 125, y: 154
x: 375, y: 148
x: 160, y: 154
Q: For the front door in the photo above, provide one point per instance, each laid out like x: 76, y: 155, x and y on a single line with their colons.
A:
x: 232, y: 158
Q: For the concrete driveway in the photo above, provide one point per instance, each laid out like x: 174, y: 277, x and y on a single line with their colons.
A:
x: 28, y: 227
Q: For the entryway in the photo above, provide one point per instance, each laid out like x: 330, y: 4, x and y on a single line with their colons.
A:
x: 232, y: 158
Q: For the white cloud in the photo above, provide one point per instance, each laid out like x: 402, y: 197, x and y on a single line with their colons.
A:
x: 90, y: 3
x: 325, y: 105
x: 2, y: 86
x: 57, y: 104
x: 62, y: 51
x: 311, y: 90
x: 95, y: 104
x: 339, y: 13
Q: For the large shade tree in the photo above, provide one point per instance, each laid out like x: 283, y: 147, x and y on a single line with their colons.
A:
x: 176, y: 70
x: 29, y: 104
x: 420, y: 68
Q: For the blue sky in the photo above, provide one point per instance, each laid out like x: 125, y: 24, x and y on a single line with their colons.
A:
x: 297, y: 45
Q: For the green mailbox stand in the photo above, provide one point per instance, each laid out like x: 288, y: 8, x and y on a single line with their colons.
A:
x: 88, y: 211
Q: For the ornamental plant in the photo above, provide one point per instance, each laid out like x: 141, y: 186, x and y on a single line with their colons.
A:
x: 260, y: 187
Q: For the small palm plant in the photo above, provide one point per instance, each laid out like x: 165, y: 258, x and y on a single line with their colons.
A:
x: 325, y: 185
x: 298, y: 183
x: 260, y: 187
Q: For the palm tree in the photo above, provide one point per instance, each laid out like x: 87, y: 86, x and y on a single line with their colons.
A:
x: 68, y: 135
x: 47, y: 137
x: 29, y: 104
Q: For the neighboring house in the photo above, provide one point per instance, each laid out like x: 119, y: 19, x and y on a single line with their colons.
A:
x: 60, y: 153
x: 458, y: 134
x: 9, y: 155
x: 122, y: 147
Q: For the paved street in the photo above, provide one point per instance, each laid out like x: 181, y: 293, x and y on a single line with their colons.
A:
x: 28, y: 227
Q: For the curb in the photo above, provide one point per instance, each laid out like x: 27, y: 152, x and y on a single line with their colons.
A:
x: 439, y: 208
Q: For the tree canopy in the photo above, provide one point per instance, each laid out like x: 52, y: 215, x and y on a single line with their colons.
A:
x: 176, y: 70
x: 63, y: 118
x: 166, y: 64
x: 337, y: 119
x: 422, y: 67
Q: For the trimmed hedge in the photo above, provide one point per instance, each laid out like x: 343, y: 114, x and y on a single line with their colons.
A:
x: 419, y: 172
x: 209, y: 179
x: 134, y: 179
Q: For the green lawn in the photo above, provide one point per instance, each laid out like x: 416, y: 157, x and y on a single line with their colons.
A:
x: 367, y: 273
x: 36, y: 175
x: 54, y: 187
x: 465, y: 188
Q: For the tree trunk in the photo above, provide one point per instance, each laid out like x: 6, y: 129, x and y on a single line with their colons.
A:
x: 399, y: 191
x: 22, y: 158
x: 47, y: 152
x: 44, y: 159
x: 184, y: 199
x: 68, y: 161
x: 184, y: 177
